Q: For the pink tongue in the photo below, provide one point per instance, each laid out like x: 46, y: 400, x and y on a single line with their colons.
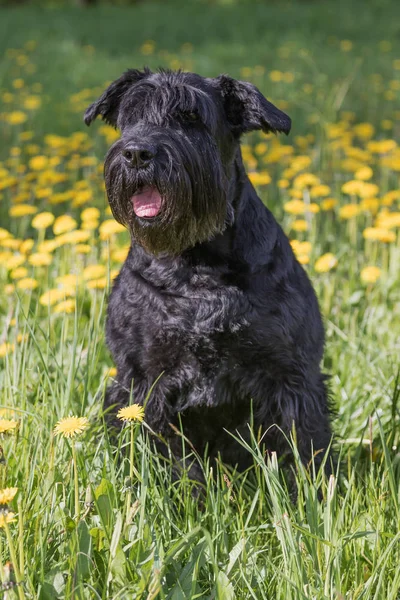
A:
x: 147, y: 202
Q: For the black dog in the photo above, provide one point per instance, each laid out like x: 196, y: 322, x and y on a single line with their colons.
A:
x: 211, y: 296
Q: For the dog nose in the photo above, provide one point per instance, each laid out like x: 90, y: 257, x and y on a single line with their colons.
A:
x: 138, y: 156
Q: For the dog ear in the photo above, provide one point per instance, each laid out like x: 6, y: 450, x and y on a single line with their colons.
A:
x: 248, y: 110
x: 109, y: 102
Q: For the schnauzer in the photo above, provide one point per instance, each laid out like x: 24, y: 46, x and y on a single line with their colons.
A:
x: 212, y: 322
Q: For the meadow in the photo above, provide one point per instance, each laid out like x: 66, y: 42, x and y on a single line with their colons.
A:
x: 84, y: 515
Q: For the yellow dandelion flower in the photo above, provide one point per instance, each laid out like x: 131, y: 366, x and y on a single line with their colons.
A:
x: 370, y: 205
x: 368, y: 190
x: 82, y: 197
x: 21, y: 210
x: 389, y: 197
x: 4, y: 234
x: 303, y: 259
x: 353, y: 187
x: 7, y: 495
x: 8, y: 517
x: 94, y: 272
x: 326, y: 263
x: 90, y: 214
x: 134, y: 412
x: 43, y: 220
x: 32, y: 102
x: 389, y: 220
x: 364, y: 130
x: 7, y: 425
x: 283, y: 184
x: 67, y: 307
x: 69, y: 280
x: 305, y: 180
x: 313, y: 208
x: 15, y: 260
x: 89, y: 225
x: 299, y: 225
x: 19, y: 273
x: 38, y: 163
x: 370, y: 274
x: 320, y: 191
x: 52, y: 296
x: 109, y: 227
x: 27, y: 283
x: 40, y: 259
x: 301, y: 247
x: 47, y: 246
x: 364, y: 173
x: 328, y: 204
x: 348, y: 211
x: 71, y: 426
x: 73, y: 237
x: 26, y: 246
x: 63, y: 224
x: 379, y: 234
x: 17, y: 117
x: 120, y: 254
x: 97, y: 284
x: 295, y: 207
x: 261, y: 148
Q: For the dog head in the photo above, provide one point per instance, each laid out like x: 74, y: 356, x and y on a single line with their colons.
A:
x: 167, y: 177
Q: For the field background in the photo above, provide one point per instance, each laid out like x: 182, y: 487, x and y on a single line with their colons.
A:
x: 87, y: 521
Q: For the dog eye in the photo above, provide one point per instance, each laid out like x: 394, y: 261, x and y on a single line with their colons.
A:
x: 190, y: 117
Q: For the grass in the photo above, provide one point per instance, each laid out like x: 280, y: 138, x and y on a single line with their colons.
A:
x: 97, y: 517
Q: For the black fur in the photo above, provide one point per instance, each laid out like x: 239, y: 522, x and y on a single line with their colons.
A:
x: 211, y: 296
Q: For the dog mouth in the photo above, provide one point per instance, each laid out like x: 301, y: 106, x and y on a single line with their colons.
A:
x: 147, y: 202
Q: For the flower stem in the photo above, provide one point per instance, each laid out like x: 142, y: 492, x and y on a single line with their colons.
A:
x: 76, y: 483
x: 131, y: 459
x: 15, y: 565
x: 21, y: 537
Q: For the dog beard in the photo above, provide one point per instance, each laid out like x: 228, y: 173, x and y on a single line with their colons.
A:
x: 177, y: 201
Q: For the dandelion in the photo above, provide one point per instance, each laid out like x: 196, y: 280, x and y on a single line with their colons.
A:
x: 27, y: 283
x: 370, y: 274
x: 43, y: 220
x: 379, y: 234
x: 326, y: 263
x: 94, y: 272
x: 17, y: 117
x: 300, y: 225
x: 7, y: 495
x: 348, y: 211
x: 22, y: 210
x: 66, y: 307
x: 69, y: 427
x: 295, y: 207
x: 26, y: 246
x: 63, y: 224
x: 90, y: 214
x: 52, y: 296
x: 364, y: 173
x: 109, y: 227
x: 134, y: 412
x: 40, y: 259
x: 38, y: 163
x: 19, y: 273
x: 8, y: 425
